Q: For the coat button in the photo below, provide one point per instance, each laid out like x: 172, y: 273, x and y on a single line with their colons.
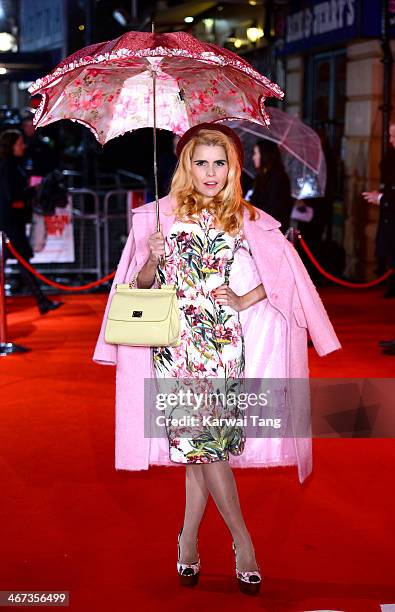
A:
x: 274, y: 296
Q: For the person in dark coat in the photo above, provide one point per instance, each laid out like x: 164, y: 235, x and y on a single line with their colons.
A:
x: 272, y: 188
x: 327, y: 251
x: 41, y: 155
x: 385, y: 237
x: 167, y: 163
x: 16, y: 210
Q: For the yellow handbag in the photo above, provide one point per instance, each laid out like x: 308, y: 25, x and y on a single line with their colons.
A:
x: 143, y: 317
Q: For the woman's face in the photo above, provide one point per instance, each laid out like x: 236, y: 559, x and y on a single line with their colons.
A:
x: 256, y: 157
x: 209, y: 169
x: 19, y: 147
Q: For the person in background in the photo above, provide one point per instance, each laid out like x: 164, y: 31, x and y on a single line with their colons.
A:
x: 318, y: 231
x: 15, y: 209
x: 167, y: 163
x: 272, y: 188
x: 323, y: 207
x: 385, y: 238
x: 41, y: 156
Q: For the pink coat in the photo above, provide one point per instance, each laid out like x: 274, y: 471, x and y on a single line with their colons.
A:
x: 275, y: 333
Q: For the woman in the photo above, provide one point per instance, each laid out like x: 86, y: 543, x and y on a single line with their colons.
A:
x: 385, y: 200
x: 272, y: 189
x: 198, y: 258
x: 15, y: 209
x: 216, y: 251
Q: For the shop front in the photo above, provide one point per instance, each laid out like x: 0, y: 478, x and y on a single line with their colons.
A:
x: 332, y: 53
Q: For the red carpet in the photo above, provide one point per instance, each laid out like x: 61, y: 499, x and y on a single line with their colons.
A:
x: 70, y: 521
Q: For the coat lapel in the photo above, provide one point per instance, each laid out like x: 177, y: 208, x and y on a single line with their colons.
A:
x: 166, y: 214
x: 267, y: 249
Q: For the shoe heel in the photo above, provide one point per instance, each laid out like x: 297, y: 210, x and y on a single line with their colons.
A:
x: 188, y: 572
x: 249, y: 588
x: 189, y: 581
x: 249, y: 582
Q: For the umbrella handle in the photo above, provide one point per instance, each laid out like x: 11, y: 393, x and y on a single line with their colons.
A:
x: 155, y: 148
x: 155, y: 153
x: 162, y: 259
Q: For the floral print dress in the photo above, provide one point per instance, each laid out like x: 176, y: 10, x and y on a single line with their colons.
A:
x: 198, y: 259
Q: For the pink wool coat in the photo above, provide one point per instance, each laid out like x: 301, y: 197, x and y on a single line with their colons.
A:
x: 274, y: 329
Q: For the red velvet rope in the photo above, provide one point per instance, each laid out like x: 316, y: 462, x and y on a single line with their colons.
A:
x: 53, y: 283
x: 340, y: 281
x: 310, y: 255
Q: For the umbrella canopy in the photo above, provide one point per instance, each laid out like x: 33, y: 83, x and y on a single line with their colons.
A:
x: 109, y: 86
x: 300, y: 146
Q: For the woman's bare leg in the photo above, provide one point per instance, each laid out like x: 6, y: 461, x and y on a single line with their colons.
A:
x: 196, y: 495
x: 221, y: 484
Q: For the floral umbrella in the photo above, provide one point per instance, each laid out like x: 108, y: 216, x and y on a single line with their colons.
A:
x: 171, y: 81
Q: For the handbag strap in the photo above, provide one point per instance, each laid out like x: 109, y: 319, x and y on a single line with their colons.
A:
x: 162, y: 259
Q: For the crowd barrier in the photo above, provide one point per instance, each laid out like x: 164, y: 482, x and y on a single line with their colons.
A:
x: 116, y: 222
x: 100, y: 227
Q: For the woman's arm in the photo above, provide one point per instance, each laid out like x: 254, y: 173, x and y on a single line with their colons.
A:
x: 252, y: 297
x: 146, y: 276
x: 225, y: 295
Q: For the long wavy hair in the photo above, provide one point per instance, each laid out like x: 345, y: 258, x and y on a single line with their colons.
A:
x: 270, y: 156
x: 7, y: 140
x: 228, y: 205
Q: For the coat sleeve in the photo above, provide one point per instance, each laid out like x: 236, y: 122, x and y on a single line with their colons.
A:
x: 387, y: 201
x: 318, y: 323
x: 106, y: 354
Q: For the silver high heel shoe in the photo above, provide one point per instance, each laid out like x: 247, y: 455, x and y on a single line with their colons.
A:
x: 188, y: 572
x: 249, y: 582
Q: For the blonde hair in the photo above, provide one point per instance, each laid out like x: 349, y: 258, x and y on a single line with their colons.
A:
x: 228, y: 205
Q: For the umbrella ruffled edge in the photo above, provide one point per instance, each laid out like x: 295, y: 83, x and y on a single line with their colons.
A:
x: 210, y: 57
x: 42, y: 108
x: 43, y: 105
x: 102, y: 141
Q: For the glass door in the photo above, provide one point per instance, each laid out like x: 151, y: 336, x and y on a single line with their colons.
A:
x: 325, y: 101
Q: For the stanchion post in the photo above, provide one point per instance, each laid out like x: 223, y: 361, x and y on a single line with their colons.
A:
x: 6, y: 348
x: 3, y: 316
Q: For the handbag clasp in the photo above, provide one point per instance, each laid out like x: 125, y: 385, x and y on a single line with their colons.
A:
x: 137, y: 313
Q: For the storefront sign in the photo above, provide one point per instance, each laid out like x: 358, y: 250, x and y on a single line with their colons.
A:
x: 315, y: 23
x: 371, y: 19
x: 318, y: 23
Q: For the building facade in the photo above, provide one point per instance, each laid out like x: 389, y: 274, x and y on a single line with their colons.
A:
x: 332, y: 54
